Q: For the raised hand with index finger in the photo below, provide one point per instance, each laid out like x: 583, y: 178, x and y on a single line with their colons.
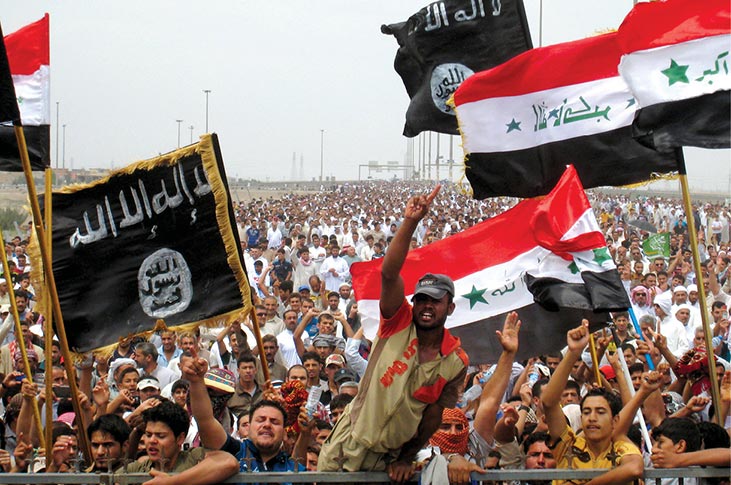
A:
x: 418, y: 205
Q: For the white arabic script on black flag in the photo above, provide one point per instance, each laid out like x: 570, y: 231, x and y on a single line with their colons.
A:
x: 446, y: 42
x: 147, y: 243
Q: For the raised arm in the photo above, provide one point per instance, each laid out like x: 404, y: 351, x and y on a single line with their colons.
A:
x: 212, y: 434
x: 392, y: 285
x: 577, y: 340
x: 492, y: 393
x: 650, y: 383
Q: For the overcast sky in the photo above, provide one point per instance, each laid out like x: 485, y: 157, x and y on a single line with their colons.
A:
x: 278, y: 72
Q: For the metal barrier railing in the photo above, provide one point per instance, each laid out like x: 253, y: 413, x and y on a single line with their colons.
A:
x: 650, y: 475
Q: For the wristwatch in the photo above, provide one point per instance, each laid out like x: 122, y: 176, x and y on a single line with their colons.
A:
x: 523, y: 407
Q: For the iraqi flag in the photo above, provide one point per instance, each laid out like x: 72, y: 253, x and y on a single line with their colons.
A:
x: 545, y: 258
x: 523, y: 121
x: 676, y: 63
x: 28, y: 54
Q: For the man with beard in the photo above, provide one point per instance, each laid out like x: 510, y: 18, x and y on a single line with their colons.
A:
x: 262, y: 450
x: 415, y: 370
x: 109, y: 439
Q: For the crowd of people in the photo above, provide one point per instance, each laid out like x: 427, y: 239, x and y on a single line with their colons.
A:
x: 201, y: 405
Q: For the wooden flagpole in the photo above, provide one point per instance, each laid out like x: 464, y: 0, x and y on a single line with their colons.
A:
x: 48, y: 272
x: 259, y: 343
x: 693, y: 236
x: 594, y: 359
x: 48, y: 329
x: 21, y: 340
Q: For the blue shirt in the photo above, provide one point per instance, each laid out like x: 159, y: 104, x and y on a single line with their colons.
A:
x: 246, y: 449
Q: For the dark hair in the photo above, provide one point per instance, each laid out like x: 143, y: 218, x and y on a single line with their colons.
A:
x: 23, y: 294
x: 573, y: 385
x: 180, y: 383
x: 538, y: 436
x: 111, y: 424
x: 321, y: 424
x: 635, y: 435
x: 536, y: 389
x: 636, y: 367
x: 61, y: 429
x: 287, y: 285
x: 340, y: 401
x: 126, y: 371
x: 289, y: 311
x: 268, y: 403
x: 169, y: 413
x: 247, y: 357
x: 312, y: 356
x: 333, y: 294
x: 716, y: 304
x: 615, y: 404
x: 622, y: 315
x: 629, y: 346
x: 713, y: 436
x: 676, y: 429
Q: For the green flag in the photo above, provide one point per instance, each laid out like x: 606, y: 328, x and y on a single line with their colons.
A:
x: 657, y: 245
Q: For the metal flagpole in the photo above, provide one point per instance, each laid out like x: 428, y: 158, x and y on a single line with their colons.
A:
x: 628, y: 379
x: 19, y: 338
x: 638, y: 330
x: 48, y: 272
x: 715, y: 392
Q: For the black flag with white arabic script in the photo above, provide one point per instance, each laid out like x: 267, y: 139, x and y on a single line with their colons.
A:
x: 154, y: 240
x: 446, y: 42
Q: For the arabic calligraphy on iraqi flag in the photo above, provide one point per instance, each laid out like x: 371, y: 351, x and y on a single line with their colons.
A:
x: 553, y: 270
x: 446, y: 42
x: 29, y: 57
x: 524, y: 120
x: 154, y: 240
x: 676, y: 63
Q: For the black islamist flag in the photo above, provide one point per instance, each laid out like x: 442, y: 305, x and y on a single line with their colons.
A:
x: 446, y: 42
x: 154, y: 240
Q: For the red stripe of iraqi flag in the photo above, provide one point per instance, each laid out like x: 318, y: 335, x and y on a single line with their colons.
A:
x: 676, y: 62
x: 525, y: 120
x: 28, y: 54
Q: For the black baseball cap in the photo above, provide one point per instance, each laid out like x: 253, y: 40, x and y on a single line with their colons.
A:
x: 434, y: 285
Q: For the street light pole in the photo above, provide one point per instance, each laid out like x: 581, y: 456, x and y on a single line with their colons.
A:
x: 64, y: 147
x: 322, y: 153
x: 191, y: 134
x: 207, y: 91
x: 178, y: 122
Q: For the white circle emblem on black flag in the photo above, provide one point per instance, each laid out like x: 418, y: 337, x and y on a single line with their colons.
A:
x: 165, y: 284
x: 445, y: 79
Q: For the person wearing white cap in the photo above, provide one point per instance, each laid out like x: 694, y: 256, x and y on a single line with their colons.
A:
x: 669, y: 326
x: 680, y: 296
x: 684, y: 314
x: 4, y: 295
